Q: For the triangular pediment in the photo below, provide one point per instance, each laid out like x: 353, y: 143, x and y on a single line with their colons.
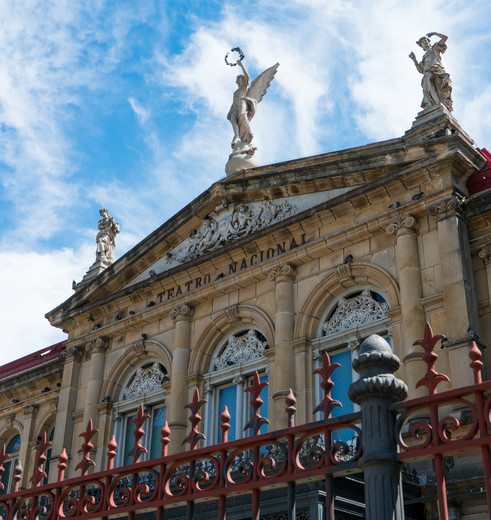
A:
x: 237, y: 210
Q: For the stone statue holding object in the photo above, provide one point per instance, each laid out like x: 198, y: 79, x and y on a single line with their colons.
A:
x: 106, y: 242
x: 106, y: 238
x: 244, y: 105
x: 436, y: 83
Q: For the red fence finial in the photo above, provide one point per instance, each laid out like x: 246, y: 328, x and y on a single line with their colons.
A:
x: 165, y: 440
x: 87, y: 446
x: 225, y: 424
x: 112, y: 446
x: 194, y: 435
x: 63, y: 459
x: 327, y: 403
x: 432, y: 377
x: 476, y: 364
x: 3, y: 456
x: 291, y: 401
x: 255, y: 389
x: 39, y: 472
x: 138, y: 450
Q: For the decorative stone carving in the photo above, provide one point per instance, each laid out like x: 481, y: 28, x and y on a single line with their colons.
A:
x: 229, y: 222
x: 485, y: 253
x: 232, y: 312
x: 138, y: 347
x: 436, y: 83
x: 146, y: 380
x: 452, y: 203
x: 71, y: 352
x: 181, y: 311
x: 239, y: 349
x: 97, y: 345
x: 287, y: 271
x: 31, y: 409
x: 354, y: 312
x: 407, y: 223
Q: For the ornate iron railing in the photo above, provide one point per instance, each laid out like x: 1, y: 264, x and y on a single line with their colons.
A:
x: 426, y: 427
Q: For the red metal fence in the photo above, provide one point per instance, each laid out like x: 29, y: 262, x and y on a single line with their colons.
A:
x: 280, y: 458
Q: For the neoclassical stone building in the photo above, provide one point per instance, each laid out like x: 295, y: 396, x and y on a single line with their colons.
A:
x: 264, y: 271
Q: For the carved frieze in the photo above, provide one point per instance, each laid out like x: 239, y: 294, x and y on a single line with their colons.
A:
x: 240, y: 348
x: 229, y: 222
x: 147, y: 379
x: 354, y: 312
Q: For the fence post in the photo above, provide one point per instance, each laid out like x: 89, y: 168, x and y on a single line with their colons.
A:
x: 375, y: 391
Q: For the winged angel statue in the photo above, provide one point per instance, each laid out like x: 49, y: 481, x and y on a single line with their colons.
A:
x: 244, y: 106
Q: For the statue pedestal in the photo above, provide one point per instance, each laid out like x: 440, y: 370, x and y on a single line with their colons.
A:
x: 242, y: 158
x: 435, y: 122
x: 94, y: 270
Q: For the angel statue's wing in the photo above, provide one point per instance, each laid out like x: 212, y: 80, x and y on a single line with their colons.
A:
x: 261, y: 84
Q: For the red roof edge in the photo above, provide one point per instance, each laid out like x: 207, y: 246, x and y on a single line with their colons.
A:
x: 32, y: 360
x: 481, y: 180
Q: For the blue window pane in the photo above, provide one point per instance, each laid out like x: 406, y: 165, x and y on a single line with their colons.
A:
x: 341, y: 377
x: 158, y: 421
x: 129, y: 439
x: 228, y: 397
x: 13, y: 445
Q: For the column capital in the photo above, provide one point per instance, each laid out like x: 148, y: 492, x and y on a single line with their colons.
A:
x: 72, y: 353
x: 485, y: 253
x: 283, y: 273
x: 182, y: 311
x: 450, y: 206
x: 97, y: 345
x: 30, y: 410
x: 403, y: 225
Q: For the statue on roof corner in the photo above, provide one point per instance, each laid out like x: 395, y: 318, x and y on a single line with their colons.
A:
x: 244, y: 105
x: 436, y: 83
x: 106, y: 242
x: 106, y: 238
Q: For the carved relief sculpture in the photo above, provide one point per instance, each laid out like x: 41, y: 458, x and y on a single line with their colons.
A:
x: 436, y: 83
x: 354, y: 312
x: 147, y: 379
x: 239, y: 349
x: 227, y: 223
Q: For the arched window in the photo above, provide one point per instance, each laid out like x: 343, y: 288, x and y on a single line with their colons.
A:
x: 145, y: 386
x: 346, y: 324
x: 12, y: 448
x: 230, y: 373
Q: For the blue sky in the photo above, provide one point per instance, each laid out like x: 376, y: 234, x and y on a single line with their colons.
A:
x: 123, y: 104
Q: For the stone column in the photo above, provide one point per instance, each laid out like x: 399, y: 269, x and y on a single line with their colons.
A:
x: 375, y: 391
x: 97, y: 348
x: 304, y: 382
x: 284, y: 360
x: 27, y: 442
x: 178, y: 398
x: 66, y: 403
x: 458, y: 285
x: 412, y: 311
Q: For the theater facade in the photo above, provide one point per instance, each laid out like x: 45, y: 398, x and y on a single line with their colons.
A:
x: 265, y: 271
